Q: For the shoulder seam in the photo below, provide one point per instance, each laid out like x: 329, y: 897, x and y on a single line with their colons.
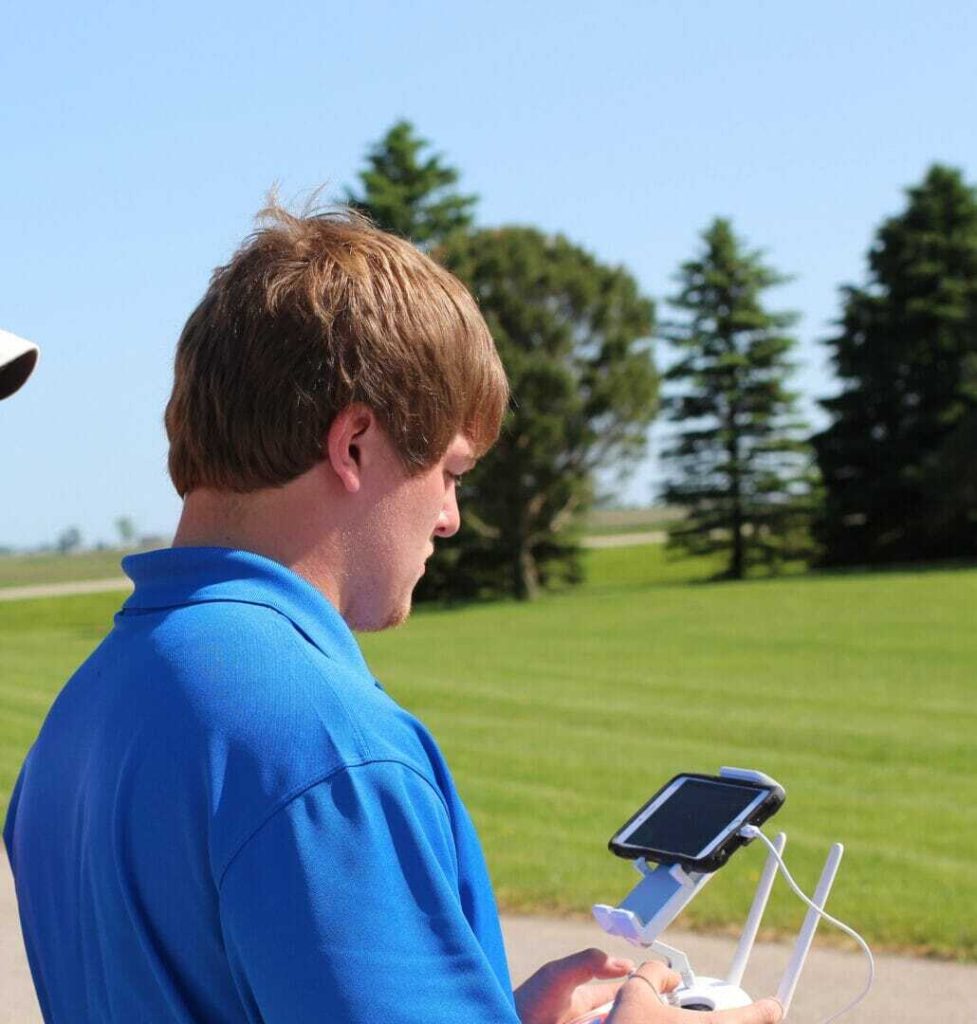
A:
x: 293, y: 795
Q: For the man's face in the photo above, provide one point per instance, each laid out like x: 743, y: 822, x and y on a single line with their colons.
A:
x: 407, y: 515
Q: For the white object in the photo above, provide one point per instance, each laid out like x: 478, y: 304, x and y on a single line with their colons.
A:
x: 709, y: 994
x: 18, y: 358
x: 748, y: 775
x: 802, y: 946
x: 752, y: 926
x: 652, y: 904
x: 820, y: 913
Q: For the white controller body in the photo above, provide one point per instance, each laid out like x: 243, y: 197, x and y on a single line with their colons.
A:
x: 709, y: 994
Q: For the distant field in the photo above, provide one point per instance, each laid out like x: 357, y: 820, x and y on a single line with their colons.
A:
x: 559, y: 718
x: 605, y: 522
x: 23, y: 570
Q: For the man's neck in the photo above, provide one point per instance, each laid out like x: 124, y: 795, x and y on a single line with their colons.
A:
x: 308, y: 545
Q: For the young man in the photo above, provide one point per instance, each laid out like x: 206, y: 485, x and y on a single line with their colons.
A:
x: 224, y: 817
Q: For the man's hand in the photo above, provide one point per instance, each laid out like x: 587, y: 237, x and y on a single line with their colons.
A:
x: 559, y: 991
x: 640, y: 1001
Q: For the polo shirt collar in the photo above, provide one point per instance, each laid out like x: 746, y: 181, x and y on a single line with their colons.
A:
x: 174, y: 577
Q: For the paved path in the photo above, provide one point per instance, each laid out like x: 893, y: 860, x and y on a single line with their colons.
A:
x: 64, y: 589
x: 906, y: 989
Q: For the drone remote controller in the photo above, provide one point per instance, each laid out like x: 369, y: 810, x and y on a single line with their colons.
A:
x: 728, y: 809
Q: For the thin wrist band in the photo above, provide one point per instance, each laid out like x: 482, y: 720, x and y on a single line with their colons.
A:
x: 640, y: 977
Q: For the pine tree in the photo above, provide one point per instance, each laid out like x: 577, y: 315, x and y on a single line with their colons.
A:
x: 739, y: 466
x: 411, y: 193
x: 898, y: 455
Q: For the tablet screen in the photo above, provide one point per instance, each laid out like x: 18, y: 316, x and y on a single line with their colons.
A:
x: 689, y: 817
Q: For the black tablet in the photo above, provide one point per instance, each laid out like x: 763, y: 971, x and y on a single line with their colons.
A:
x: 694, y: 820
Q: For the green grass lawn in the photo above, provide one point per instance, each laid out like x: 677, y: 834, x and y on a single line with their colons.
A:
x: 855, y: 690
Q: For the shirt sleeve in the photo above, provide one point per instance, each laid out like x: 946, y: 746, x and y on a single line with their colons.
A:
x: 344, y: 907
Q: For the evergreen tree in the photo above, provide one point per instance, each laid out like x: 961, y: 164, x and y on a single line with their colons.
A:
x: 574, y: 337
x: 126, y: 529
x: 69, y: 540
x: 738, y: 464
x: 409, y: 192
x: 897, y: 459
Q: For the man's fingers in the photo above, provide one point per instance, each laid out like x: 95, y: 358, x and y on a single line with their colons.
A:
x: 771, y: 1011
x: 614, y: 967
x: 642, y: 997
x: 763, y: 1011
x: 661, y: 977
x: 601, y: 992
x: 589, y: 963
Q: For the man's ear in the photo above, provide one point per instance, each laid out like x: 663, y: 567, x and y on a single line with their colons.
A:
x: 344, y: 444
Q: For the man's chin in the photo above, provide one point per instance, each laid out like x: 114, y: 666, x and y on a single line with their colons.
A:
x: 397, y: 617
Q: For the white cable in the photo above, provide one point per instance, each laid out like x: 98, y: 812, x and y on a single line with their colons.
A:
x: 752, y: 832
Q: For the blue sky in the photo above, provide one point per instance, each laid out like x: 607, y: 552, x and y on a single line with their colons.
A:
x: 139, y: 140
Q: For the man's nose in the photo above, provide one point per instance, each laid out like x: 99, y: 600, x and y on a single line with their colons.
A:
x: 449, y: 519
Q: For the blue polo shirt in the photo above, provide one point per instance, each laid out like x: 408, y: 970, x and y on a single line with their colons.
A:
x: 226, y: 819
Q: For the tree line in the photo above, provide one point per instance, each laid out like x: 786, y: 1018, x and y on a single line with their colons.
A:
x: 890, y: 479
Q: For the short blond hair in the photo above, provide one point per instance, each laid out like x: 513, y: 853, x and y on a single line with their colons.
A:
x: 313, y: 314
